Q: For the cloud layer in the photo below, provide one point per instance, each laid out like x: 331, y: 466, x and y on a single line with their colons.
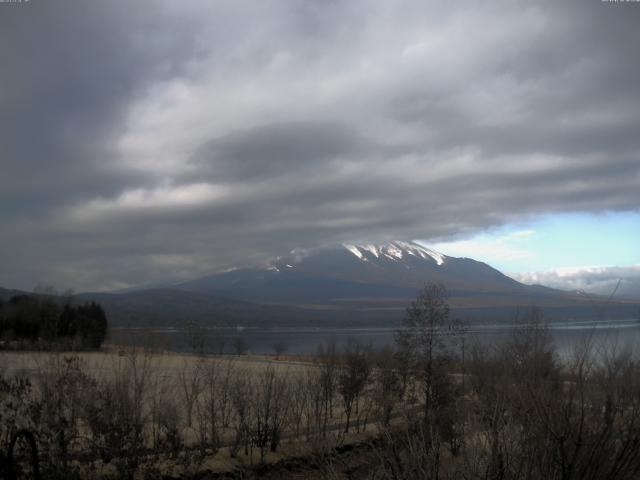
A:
x: 158, y: 140
x: 615, y: 282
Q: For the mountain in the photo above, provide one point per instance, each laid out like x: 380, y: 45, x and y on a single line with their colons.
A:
x: 351, y: 273
x: 344, y: 285
x: 367, y: 278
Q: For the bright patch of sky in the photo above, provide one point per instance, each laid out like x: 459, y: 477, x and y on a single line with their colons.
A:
x: 555, y: 241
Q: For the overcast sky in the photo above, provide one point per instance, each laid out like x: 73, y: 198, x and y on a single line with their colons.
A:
x: 144, y: 141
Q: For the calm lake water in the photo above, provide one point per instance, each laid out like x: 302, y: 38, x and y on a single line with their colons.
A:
x: 301, y: 341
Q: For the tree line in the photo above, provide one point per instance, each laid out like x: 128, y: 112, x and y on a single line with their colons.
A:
x: 29, y: 319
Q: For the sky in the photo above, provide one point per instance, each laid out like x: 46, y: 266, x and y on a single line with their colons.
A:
x: 157, y: 140
x: 596, y: 253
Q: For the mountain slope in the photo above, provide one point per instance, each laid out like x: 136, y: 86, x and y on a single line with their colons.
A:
x: 396, y: 269
x: 375, y: 277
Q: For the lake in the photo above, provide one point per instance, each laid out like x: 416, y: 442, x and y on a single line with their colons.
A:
x: 306, y: 340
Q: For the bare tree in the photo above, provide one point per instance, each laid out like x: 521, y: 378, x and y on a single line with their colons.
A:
x: 327, y: 358
x: 316, y: 410
x: 59, y: 396
x: 240, y: 346
x: 387, y: 385
x: 270, y: 405
x: 168, y: 420
x: 241, y: 394
x: 214, y: 407
x: 279, y: 348
x: 353, y: 377
x: 299, y: 403
x: 116, y: 415
x: 191, y: 383
x: 425, y: 341
x: 197, y: 338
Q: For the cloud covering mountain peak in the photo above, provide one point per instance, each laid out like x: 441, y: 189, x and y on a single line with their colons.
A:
x: 153, y: 140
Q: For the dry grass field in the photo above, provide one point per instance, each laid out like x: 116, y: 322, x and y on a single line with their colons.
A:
x: 164, y: 363
x: 184, y: 413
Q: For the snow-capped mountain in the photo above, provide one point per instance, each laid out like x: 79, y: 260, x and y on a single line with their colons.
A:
x: 354, y: 275
x: 349, y: 284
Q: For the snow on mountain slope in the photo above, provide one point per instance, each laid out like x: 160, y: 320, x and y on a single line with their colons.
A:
x: 394, y: 250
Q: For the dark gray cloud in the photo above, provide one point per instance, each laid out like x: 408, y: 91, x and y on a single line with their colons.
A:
x: 151, y: 140
x: 278, y: 149
x: 69, y: 72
